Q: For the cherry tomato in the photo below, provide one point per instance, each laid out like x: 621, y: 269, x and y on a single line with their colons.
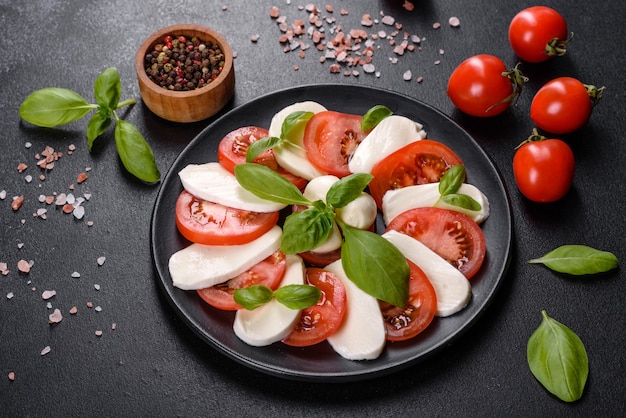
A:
x: 233, y: 147
x: 538, y: 33
x: 451, y: 234
x: 544, y: 169
x: 209, y: 223
x: 563, y: 105
x: 321, y: 320
x: 268, y: 272
x: 330, y: 139
x: 482, y: 86
x: 420, y: 162
x: 407, y: 322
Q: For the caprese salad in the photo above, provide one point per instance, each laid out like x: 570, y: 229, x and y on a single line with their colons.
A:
x: 282, y: 230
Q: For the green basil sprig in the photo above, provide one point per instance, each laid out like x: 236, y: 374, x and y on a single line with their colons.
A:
x: 373, y: 116
x: 292, y: 126
x: 293, y: 296
x: 450, y: 183
x: 578, y: 260
x: 53, y: 106
x: 370, y: 261
x: 558, y: 359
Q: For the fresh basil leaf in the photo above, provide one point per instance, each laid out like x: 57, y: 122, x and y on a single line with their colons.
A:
x: 108, y: 89
x: 373, y: 117
x: 347, y: 189
x: 294, y: 123
x: 135, y: 152
x: 461, y: 200
x: 98, y: 123
x: 375, y: 265
x: 53, y: 106
x: 297, y: 296
x: 452, y: 180
x: 253, y: 296
x: 268, y: 184
x: 578, y: 260
x: 306, y: 230
x: 259, y: 146
x: 558, y: 359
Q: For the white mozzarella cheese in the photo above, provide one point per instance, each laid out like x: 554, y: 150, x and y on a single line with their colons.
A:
x: 214, y: 183
x: 452, y: 288
x: 362, y: 333
x: 273, y: 321
x: 426, y: 195
x: 198, y: 266
x: 391, y: 134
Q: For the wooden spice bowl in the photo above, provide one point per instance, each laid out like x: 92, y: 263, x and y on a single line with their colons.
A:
x: 193, y: 105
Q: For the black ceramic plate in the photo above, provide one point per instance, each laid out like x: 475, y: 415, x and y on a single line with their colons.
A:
x: 320, y: 362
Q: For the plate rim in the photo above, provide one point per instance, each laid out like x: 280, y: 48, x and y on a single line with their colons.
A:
x: 376, y: 370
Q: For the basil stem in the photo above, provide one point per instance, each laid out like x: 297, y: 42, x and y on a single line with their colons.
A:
x: 578, y: 260
x: 373, y: 117
x: 293, y: 296
x: 347, y: 189
x: 268, y: 184
x: 135, y: 153
x: 375, y: 265
x: 558, y: 359
x: 53, y: 106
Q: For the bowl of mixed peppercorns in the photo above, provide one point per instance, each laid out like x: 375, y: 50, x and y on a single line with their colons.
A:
x: 185, y: 72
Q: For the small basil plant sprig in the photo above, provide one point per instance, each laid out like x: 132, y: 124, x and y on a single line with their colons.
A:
x: 293, y: 296
x: 558, y: 359
x: 449, y: 185
x: 53, y: 106
x: 370, y: 261
x: 578, y: 260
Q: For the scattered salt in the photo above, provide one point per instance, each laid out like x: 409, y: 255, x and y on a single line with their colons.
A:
x: 55, y: 317
x: 46, y: 350
x: 47, y: 294
x: 101, y: 260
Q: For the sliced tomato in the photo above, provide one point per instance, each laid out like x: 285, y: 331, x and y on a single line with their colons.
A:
x: 406, y: 322
x: 321, y: 259
x: 321, y: 320
x: 268, y: 272
x: 209, y: 223
x: 451, y: 234
x: 233, y: 147
x: 330, y: 139
x: 420, y: 162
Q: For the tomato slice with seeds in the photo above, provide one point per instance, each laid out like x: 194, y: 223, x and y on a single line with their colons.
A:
x: 330, y: 139
x: 268, y: 272
x: 233, y: 147
x: 405, y: 323
x: 451, y: 234
x: 210, y: 223
x: 419, y: 162
x: 321, y: 320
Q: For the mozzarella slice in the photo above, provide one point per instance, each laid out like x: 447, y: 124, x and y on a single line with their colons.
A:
x: 198, y: 266
x: 214, y: 183
x: 426, y: 195
x: 391, y: 134
x: 453, y: 290
x: 293, y: 158
x: 273, y: 321
x: 362, y: 333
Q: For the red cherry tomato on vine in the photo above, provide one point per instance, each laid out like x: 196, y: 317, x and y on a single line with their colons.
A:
x: 563, y: 105
x: 482, y: 86
x: 538, y: 33
x: 544, y: 169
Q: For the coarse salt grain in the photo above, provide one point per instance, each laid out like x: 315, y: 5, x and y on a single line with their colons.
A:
x: 55, y: 317
x: 47, y: 294
x: 11, y: 376
x: 407, y: 75
x: 10, y: 295
x: 73, y: 310
x: 98, y: 333
x: 454, y: 22
x: 46, y: 350
x: 23, y: 266
x: 101, y: 260
x: 3, y: 194
x: 96, y: 286
x: 76, y: 275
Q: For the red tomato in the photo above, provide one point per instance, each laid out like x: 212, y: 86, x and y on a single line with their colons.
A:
x: 406, y: 322
x: 330, y: 139
x: 482, y: 86
x: 420, y: 162
x: 210, y: 223
x: 321, y: 320
x: 544, y: 169
x: 451, y: 234
x: 321, y: 259
x: 268, y: 272
x: 563, y: 105
x: 538, y: 33
x: 233, y: 147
